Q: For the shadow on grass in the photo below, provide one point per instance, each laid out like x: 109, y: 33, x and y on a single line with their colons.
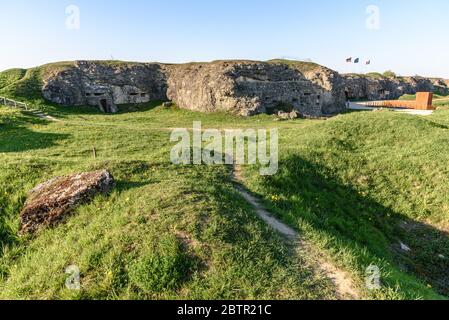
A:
x: 122, y: 186
x: 139, y: 107
x: 18, y: 138
x: 241, y: 237
x: 63, y: 112
x: 311, y: 193
x: 7, y: 236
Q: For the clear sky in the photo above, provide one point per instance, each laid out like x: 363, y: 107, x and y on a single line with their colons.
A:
x: 407, y: 36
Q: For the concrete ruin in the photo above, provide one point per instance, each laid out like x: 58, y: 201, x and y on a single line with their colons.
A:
x: 106, y: 85
x: 367, y: 87
x: 240, y: 87
x: 248, y: 88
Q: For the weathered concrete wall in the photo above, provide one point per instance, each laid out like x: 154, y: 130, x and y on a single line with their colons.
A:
x: 89, y: 83
x: 239, y: 87
x: 248, y: 88
x: 368, y: 88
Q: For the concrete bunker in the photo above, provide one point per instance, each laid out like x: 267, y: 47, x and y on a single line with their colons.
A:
x: 101, y: 99
x: 106, y: 105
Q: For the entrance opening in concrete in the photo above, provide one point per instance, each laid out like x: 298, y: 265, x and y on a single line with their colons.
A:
x: 104, y: 105
x: 347, y: 95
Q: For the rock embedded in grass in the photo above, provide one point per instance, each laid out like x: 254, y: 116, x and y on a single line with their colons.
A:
x: 51, y: 202
x: 282, y: 115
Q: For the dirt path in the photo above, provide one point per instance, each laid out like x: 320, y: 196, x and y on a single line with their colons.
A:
x: 44, y: 116
x: 40, y: 114
x: 345, y: 288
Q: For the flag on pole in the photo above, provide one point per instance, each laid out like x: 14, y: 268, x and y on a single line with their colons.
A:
x: 349, y: 60
x: 357, y: 60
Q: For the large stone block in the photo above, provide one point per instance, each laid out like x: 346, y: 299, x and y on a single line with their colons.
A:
x: 51, y: 202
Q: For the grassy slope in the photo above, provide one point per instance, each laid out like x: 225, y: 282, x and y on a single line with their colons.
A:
x: 25, y: 85
x: 9, y: 77
x: 346, y: 194
x: 346, y: 183
x: 360, y: 184
x: 165, y: 232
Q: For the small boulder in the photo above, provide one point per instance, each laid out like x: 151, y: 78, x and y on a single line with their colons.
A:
x: 404, y: 247
x: 282, y: 115
x: 294, y: 115
x: 167, y: 104
x: 49, y: 203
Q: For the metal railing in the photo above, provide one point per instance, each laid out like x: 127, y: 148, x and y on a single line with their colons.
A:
x: 13, y: 103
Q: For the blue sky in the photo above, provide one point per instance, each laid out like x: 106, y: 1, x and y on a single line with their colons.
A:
x: 411, y: 39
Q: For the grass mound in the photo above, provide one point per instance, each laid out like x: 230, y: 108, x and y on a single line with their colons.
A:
x: 25, y: 85
x: 361, y: 185
x: 166, y: 232
x: 11, y: 76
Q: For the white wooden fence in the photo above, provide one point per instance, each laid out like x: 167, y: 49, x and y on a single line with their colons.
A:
x: 14, y: 103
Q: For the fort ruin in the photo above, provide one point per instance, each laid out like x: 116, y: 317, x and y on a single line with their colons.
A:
x: 240, y: 87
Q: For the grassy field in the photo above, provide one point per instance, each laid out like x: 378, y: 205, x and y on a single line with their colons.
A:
x: 165, y: 232
x: 363, y: 183
x: 355, y: 186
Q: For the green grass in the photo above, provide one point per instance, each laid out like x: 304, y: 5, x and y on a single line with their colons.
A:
x: 166, y: 232
x: 11, y: 76
x: 354, y: 186
x: 302, y: 66
x: 25, y: 85
x: 183, y: 232
x: 360, y: 184
x: 375, y: 75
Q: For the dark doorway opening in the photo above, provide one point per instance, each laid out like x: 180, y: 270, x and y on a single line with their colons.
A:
x: 347, y: 95
x: 104, y: 105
